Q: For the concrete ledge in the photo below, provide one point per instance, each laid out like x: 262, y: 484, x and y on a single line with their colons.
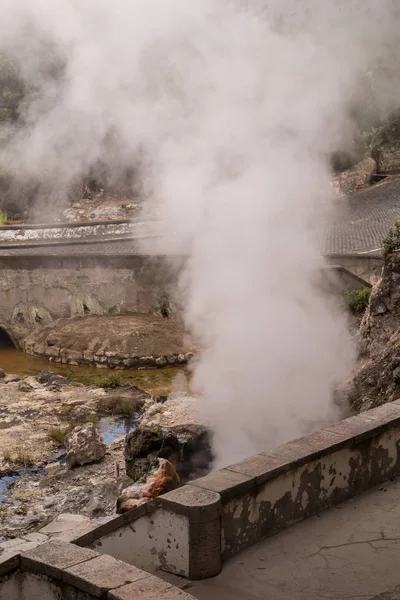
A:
x: 228, y: 510
x: 58, y: 569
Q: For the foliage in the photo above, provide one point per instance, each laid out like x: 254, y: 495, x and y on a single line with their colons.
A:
x: 3, y: 217
x: 116, y: 404
x: 391, y: 243
x: 112, y: 381
x: 11, y: 90
x: 357, y: 300
x: 58, y: 435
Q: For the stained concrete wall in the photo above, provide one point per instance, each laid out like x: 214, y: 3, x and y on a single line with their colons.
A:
x: 35, y: 290
x: 233, y: 508
x: 58, y: 570
x: 365, y: 266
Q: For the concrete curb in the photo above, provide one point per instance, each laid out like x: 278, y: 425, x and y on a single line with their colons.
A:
x: 63, y: 568
x: 233, y: 508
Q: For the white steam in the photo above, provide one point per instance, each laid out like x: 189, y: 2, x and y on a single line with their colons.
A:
x: 233, y: 107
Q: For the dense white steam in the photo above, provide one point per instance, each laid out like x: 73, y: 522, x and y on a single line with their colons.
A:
x: 233, y: 108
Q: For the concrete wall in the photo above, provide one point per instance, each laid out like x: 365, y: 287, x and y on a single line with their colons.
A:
x: 192, y: 530
x: 71, y: 231
x: 57, y: 570
x: 366, y: 266
x: 35, y: 290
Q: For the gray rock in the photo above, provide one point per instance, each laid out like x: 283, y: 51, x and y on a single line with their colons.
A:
x: 84, y: 446
x: 25, y: 386
x: 187, y: 447
x: 44, y: 376
x: 2, y: 374
x: 11, y: 378
x: 58, y: 380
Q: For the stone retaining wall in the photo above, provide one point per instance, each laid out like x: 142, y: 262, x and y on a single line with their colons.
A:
x: 35, y: 290
x: 192, y: 530
x: 57, y: 570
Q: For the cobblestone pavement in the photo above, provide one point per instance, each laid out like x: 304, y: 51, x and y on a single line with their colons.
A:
x: 363, y: 219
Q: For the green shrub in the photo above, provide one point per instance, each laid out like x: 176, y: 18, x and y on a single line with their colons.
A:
x: 116, y: 404
x: 391, y: 243
x: 357, y: 300
x: 3, y: 217
x: 112, y: 381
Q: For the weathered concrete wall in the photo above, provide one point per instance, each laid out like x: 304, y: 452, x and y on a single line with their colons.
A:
x: 70, y: 231
x: 233, y: 508
x: 57, y: 570
x: 366, y: 266
x: 35, y: 290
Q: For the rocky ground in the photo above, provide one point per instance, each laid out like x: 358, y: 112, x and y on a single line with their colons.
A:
x: 37, y: 416
x: 376, y: 379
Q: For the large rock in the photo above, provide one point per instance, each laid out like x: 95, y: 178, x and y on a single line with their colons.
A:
x: 188, y: 447
x: 162, y: 478
x: 376, y: 379
x: 84, y: 446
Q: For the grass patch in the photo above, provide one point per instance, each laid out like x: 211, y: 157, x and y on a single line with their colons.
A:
x: 112, y: 381
x: 116, y: 404
x: 3, y: 217
x: 357, y: 300
x: 57, y: 435
x: 23, y: 458
x: 7, y: 456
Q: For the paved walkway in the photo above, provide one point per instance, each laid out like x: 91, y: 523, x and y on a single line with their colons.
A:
x: 361, y: 222
x: 363, y: 219
x: 348, y: 552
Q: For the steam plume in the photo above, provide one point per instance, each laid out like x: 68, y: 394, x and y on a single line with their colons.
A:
x: 231, y: 108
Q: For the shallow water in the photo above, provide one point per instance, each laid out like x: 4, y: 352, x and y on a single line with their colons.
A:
x: 112, y: 428
x: 5, y: 480
x: 154, y: 381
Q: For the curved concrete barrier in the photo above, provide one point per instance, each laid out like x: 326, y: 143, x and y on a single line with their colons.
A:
x: 23, y: 234
x: 194, y: 529
x: 58, y: 570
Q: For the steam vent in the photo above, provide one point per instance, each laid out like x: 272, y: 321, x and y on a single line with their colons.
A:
x: 199, y: 300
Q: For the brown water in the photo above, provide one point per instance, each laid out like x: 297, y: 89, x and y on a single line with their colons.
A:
x: 155, y: 381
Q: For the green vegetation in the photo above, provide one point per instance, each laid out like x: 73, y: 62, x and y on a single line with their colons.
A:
x: 58, y: 435
x: 112, y: 381
x: 391, y: 243
x: 357, y: 300
x: 117, y: 404
x: 3, y: 217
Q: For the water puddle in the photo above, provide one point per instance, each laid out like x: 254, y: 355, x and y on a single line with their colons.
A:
x: 6, y: 479
x: 112, y: 429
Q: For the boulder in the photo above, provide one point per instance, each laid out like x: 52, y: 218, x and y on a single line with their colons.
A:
x: 84, y: 446
x: 2, y: 374
x: 44, y: 376
x: 58, y: 380
x: 187, y: 447
x: 11, y: 378
x: 161, y: 478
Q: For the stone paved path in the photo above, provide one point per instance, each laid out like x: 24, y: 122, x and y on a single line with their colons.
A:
x: 363, y: 219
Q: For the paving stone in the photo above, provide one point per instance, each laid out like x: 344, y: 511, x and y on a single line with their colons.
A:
x: 151, y: 588
x: 50, y: 558
x: 101, y: 574
x: 36, y: 537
